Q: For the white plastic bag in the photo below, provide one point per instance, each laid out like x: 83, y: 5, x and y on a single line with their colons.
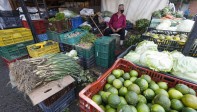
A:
x: 87, y: 12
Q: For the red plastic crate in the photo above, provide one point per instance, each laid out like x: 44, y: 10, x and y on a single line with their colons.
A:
x: 8, y: 62
x: 87, y: 105
x: 40, y: 25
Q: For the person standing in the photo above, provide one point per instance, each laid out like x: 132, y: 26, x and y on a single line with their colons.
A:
x: 187, y: 13
x: 117, y: 24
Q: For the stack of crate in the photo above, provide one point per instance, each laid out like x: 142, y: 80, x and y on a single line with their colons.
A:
x: 13, y: 43
x: 86, y: 56
x: 105, y: 51
x: 40, y: 27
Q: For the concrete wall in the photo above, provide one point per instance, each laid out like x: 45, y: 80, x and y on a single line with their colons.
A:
x: 193, y: 7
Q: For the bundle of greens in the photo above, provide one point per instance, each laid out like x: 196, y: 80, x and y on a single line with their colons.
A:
x: 142, y: 25
x: 86, y: 27
x: 87, y: 41
x: 58, y: 17
x: 28, y: 74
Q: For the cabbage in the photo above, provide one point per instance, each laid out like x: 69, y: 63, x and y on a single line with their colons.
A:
x: 145, y: 46
x: 176, y: 55
x: 158, y: 61
x: 133, y: 57
x: 185, y: 67
x: 72, y: 53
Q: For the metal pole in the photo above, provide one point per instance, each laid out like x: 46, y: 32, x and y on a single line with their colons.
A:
x: 28, y: 18
x: 191, y: 40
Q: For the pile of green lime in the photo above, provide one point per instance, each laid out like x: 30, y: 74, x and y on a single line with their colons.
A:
x: 126, y: 92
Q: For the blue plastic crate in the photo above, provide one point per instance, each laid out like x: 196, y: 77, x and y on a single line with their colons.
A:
x: 60, y: 104
x: 76, y: 22
x: 42, y: 37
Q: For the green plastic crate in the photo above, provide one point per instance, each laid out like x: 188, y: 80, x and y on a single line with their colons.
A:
x: 105, y: 44
x: 105, y: 62
x: 15, y: 51
x: 85, y: 53
x: 74, y: 40
x: 105, y: 51
x: 52, y: 35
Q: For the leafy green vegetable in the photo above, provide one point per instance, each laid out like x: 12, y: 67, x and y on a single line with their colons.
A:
x: 132, y: 40
x: 86, y: 27
x: 142, y: 25
x: 58, y: 17
x: 146, y: 46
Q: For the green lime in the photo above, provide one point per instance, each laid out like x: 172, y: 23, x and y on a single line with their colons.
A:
x: 110, y: 79
x: 134, y: 87
x: 182, y: 88
x: 192, y: 92
x: 131, y: 98
x: 114, y: 100
x: 187, y: 109
x: 175, y: 94
x: 142, y: 83
x: 101, y: 92
x: 107, y: 107
x: 126, y: 76
x: 162, y: 100
x: 107, y: 86
x: 105, y: 96
x: 189, y: 101
x: 132, y: 79
x: 157, y: 108
x: 176, y: 104
x: 161, y: 91
x: 117, y: 83
x: 146, y: 77
x: 97, y: 99
x: 127, y: 83
x: 123, y: 91
x: 149, y: 94
x: 153, y: 86
x: 141, y: 99
x: 163, y: 85
x: 125, y: 108
x: 133, y: 108
x: 133, y: 73
x: 112, y: 90
x: 117, y: 73
x: 122, y: 101
x: 111, y: 110
x: 141, y: 107
x: 121, y: 79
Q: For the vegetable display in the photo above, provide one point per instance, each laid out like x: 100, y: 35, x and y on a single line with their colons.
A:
x: 142, y: 24
x: 181, y: 39
x: 176, y: 63
x: 58, y: 17
x: 73, y: 34
x: 127, y: 92
x: 166, y: 13
x: 28, y: 74
x: 87, y: 41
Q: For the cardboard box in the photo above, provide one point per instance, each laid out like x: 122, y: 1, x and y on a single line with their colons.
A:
x: 42, y: 93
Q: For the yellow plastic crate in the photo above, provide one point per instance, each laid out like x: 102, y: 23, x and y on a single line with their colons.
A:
x: 41, y: 49
x: 14, y: 36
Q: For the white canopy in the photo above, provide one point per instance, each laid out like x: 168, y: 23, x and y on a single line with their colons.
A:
x: 134, y: 9
x: 5, y: 5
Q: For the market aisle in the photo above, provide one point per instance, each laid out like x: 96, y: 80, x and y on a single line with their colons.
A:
x: 10, y: 99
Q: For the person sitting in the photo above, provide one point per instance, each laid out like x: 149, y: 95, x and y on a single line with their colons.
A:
x: 117, y: 24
